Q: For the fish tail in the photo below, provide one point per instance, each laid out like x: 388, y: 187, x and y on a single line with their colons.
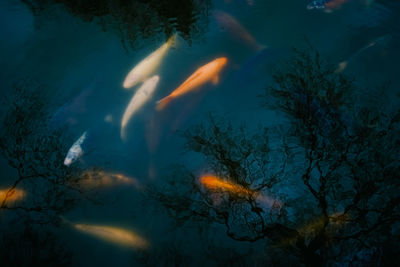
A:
x: 163, y: 103
x: 260, y: 47
x: 123, y: 133
x: 172, y: 40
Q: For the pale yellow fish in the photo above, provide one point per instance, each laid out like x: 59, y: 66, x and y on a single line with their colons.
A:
x: 147, y: 66
x: 142, y: 95
x: 119, y: 236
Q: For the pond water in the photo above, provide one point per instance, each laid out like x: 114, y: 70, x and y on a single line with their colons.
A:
x: 81, y: 52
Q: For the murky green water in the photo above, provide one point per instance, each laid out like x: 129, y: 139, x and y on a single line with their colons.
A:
x: 80, y: 52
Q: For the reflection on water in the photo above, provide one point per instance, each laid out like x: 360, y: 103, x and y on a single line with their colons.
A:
x: 134, y: 20
x: 311, y: 183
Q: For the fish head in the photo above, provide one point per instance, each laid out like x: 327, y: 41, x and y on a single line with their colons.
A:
x: 132, y: 79
x: 150, y: 85
x: 221, y: 62
x: 73, y: 154
x: 154, y: 79
x: 67, y: 161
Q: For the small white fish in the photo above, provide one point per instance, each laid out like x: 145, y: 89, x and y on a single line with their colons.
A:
x: 76, y: 151
x: 147, y: 66
x: 142, y: 95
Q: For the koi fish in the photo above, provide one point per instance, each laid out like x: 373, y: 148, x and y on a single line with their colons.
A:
x: 142, y: 95
x: 76, y: 151
x: 202, y: 75
x: 147, y: 66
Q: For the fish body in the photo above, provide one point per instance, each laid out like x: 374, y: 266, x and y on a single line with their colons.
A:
x: 215, y: 183
x: 11, y: 195
x: 114, y: 235
x: 147, y: 66
x: 98, y: 179
x: 235, y: 29
x: 76, y: 151
x: 142, y: 95
x: 69, y: 112
x: 380, y: 41
x: 204, y: 74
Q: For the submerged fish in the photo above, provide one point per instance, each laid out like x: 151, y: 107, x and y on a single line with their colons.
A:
x: 11, y: 195
x: 76, y: 151
x: 202, y: 75
x: 75, y: 108
x: 142, y: 95
x: 382, y: 40
x: 213, y: 182
x: 114, y: 235
x: 91, y: 179
x: 236, y: 29
x: 327, y: 5
x: 147, y: 66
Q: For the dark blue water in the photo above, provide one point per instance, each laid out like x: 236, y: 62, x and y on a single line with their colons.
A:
x: 81, y: 53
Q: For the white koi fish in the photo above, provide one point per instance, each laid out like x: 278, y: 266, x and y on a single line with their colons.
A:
x: 76, y: 151
x: 142, y: 95
x: 147, y: 66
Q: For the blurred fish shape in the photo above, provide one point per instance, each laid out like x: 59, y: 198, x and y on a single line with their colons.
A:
x: 148, y: 66
x: 204, y: 74
x: 98, y: 178
x: 326, y: 5
x: 76, y: 107
x: 235, y: 29
x: 76, y: 151
x: 142, y: 95
x: 380, y: 41
x: 116, y: 235
x: 11, y: 195
x: 215, y: 183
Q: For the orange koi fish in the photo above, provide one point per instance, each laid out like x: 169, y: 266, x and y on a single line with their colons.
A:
x: 202, y: 75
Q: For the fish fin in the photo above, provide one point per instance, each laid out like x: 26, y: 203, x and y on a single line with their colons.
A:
x: 260, y: 47
x: 163, y: 103
x: 215, y: 79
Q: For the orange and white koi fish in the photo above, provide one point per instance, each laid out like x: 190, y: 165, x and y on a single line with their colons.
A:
x: 114, y: 235
x: 147, y: 66
x: 202, y: 75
